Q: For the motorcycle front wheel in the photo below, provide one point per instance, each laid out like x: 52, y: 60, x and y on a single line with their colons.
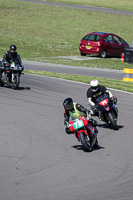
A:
x: 16, y: 82
x: 85, y: 141
x: 112, y: 121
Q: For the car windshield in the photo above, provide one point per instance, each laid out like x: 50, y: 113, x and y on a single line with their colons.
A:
x: 92, y: 37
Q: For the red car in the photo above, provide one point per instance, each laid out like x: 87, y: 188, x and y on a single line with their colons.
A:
x: 102, y: 44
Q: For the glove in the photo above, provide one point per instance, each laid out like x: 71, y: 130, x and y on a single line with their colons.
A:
x: 115, y: 100
x: 93, y: 122
x: 67, y: 130
x: 22, y: 67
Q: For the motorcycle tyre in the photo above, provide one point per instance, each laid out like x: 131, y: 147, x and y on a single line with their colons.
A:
x: 96, y: 144
x: 15, y: 85
x: 86, y: 147
x: 112, y: 121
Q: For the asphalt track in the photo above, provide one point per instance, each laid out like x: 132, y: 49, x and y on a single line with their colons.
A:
x: 38, y: 161
x: 92, y: 8
x: 58, y: 68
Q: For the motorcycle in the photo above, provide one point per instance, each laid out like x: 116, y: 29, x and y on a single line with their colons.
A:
x: 11, y: 75
x: 83, y: 131
x: 107, y: 110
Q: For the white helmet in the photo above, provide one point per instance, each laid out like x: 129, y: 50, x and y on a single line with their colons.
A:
x: 94, y: 85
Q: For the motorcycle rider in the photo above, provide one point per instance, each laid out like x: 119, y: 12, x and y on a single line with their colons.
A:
x: 11, y: 56
x: 71, y: 107
x: 94, y: 91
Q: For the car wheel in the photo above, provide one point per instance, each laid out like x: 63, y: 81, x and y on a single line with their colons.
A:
x: 103, y: 54
x: 82, y: 54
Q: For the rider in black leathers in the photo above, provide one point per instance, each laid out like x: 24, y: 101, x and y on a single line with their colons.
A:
x: 94, y: 91
x: 11, y: 56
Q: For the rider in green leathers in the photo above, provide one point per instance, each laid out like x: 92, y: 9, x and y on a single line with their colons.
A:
x: 77, y: 109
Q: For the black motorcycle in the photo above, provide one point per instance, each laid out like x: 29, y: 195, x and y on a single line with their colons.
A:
x: 10, y: 75
x: 107, y: 110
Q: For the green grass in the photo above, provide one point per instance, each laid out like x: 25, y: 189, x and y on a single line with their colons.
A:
x: 44, y: 32
x: 109, y: 83
x: 114, y: 4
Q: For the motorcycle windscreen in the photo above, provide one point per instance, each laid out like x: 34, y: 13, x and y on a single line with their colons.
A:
x: 101, y: 98
x: 74, y: 116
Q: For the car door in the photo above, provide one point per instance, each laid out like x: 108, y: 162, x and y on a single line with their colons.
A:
x: 108, y: 44
x: 117, y: 45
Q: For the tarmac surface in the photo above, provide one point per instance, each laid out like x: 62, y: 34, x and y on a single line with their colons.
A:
x: 58, y: 68
x: 39, y: 161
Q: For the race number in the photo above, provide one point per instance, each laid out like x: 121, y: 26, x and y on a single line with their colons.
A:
x: 104, y: 102
x: 78, y: 124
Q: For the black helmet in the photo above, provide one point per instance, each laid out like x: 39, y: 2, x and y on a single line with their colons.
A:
x: 68, y: 103
x: 13, y: 48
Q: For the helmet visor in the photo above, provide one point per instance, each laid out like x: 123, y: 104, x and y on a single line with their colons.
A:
x: 12, y: 51
x: 94, y: 88
x: 69, y: 106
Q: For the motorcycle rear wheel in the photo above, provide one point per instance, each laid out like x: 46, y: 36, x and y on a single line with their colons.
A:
x: 113, y: 123
x: 85, y: 142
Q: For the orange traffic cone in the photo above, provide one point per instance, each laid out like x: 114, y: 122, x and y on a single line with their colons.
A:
x: 122, y: 57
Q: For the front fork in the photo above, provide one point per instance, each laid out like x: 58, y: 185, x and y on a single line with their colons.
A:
x: 12, y: 77
x: 90, y: 133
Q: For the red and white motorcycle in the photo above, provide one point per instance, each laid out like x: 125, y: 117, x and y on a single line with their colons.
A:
x: 84, y: 131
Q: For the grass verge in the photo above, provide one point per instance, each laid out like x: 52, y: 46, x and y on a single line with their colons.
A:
x: 46, y: 32
x: 109, y: 83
